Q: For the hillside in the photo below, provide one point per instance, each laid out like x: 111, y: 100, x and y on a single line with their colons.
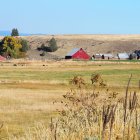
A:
x: 91, y: 43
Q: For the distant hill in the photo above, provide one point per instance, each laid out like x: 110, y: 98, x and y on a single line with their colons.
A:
x: 90, y: 43
x: 8, y: 33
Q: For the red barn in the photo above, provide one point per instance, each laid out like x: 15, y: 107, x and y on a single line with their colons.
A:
x: 77, y: 53
x: 2, y: 58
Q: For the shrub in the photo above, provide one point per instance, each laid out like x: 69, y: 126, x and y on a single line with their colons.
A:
x: 42, y: 54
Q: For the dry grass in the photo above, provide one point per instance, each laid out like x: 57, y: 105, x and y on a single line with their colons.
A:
x: 22, y: 107
x: 91, y: 43
x: 91, y: 114
x: 33, y: 93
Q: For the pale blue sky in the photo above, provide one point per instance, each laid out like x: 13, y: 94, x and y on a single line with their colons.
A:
x: 71, y: 16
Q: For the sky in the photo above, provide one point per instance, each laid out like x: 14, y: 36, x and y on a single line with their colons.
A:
x: 71, y: 16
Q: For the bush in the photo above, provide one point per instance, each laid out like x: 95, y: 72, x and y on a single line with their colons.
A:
x: 42, y: 54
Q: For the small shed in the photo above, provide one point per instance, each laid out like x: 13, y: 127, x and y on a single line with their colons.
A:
x: 123, y: 56
x: 98, y: 56
x: 77, y: 53
x: 108, y: 56
x: 104, y: 56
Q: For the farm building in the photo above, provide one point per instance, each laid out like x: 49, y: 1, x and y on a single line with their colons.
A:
x: 2, y: 58
x: 97, y: 56
x: 123, y: 56
x: 77, y: 53
x: 133, y: 56
x: 108, y: 56
x: 103, y: 56
x: 137, y: 52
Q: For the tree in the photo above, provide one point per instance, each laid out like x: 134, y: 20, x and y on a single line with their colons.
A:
x: 103, y: 57
x: 130, y: 57
x: 14, y: 32
x: 52, y: 46
x: 25, y: 46
x: 43, y: 47
x: 10, y: 46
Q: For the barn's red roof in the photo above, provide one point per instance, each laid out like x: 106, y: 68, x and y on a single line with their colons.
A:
x: 78, y: 53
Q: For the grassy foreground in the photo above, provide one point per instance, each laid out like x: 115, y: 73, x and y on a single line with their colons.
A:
x: 32, y: 92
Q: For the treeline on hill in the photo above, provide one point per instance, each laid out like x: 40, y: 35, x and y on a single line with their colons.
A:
x: 13, y: 47
x: 51, y: 47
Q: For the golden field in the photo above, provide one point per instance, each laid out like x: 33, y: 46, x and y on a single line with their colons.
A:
x: 32, y: 91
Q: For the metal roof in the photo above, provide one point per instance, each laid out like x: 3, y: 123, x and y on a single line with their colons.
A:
x: 73, y: 51
x: 108, y: 55
x: 105, y: 55
x: 123, y: 55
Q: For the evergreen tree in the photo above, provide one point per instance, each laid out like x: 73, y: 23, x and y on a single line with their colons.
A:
x: 52, y: 45
x: 14, y: 32
x: 25, y: 46
x: 130, y: 57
